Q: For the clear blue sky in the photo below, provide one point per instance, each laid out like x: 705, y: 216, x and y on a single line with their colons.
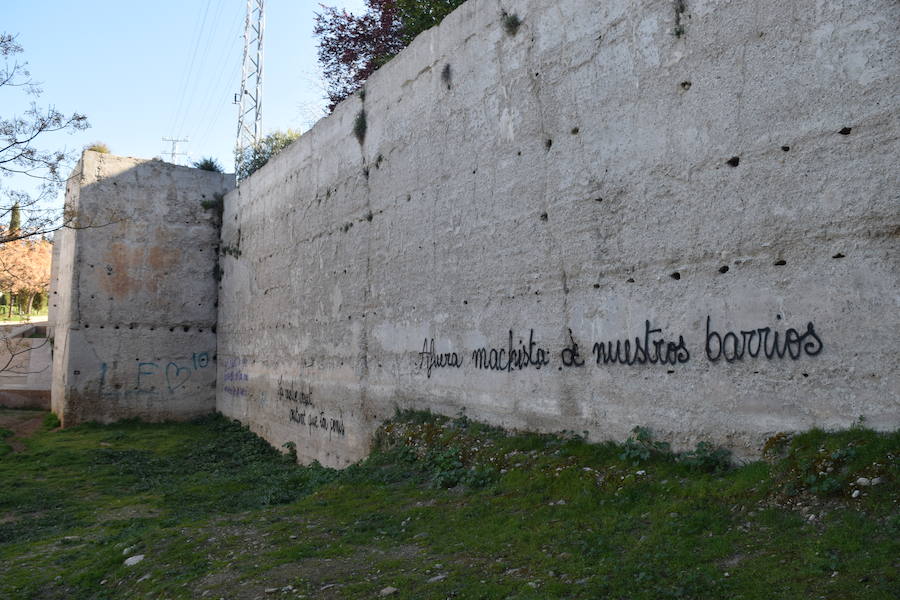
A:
x: 142, y: 71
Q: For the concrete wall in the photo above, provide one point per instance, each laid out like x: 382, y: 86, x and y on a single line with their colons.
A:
x: 133, y: 302
x: 613, y: 171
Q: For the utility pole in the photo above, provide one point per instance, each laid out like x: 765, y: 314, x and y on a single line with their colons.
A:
x: 175, y: 152
x: 249, y: 100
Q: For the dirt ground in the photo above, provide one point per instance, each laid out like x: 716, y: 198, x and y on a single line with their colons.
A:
x: 23, y: 424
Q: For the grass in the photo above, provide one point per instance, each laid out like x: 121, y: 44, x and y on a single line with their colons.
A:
x: 444, y: 508
x: 16, y: 316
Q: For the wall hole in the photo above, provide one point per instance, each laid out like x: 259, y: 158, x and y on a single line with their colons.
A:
x: 676, y: 275
x: 544, y: 216
x: 596, y: 286
x: 786, y: 148
x: 575, y: 131
x: 186, y: 328
x: 805, y: 374
x: 171, y: 329
x: 845, y: 131
x: 630, y: 280
x: 733, y: 161
x: 723, y: 269
x: 548, y: 144
x: 780, y: 263
x: 686, y: 85
x: 838, y: 255
x: 465, y: 301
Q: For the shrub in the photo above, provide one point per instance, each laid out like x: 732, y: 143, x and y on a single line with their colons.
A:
x: 100, y: 147
x: 208, y: 163
x: 254, y: 157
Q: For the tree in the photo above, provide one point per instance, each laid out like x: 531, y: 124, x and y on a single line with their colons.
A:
x: 23, y: 158
x: 15, y: 219
x: 25, y: 269
x: 254, y: 157
x: 352, y: 47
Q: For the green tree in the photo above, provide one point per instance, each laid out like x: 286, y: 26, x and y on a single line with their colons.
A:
x: 417, y: 16
x: 254, y: 157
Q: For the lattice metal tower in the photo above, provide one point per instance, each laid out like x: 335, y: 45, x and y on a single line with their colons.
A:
x: 249, y: 99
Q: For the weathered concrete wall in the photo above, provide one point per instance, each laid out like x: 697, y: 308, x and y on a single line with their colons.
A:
x: 134, y: 297
x: 613, y: 172
x: 24, y: 366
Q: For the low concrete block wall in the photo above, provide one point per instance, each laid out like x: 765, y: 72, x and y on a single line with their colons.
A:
x: 133, y: 303
x: 620, y: 214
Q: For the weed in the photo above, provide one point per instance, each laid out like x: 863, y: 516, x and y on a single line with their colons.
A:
x: 641, y: 446
x: 359, y: 126
x: 511, y: 23
x: 291, y: 453
x: 51, y: 421
x: 707, y: 458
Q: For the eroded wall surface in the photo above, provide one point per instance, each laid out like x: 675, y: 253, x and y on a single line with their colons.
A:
x: 620, y: 214
x: 133, y: 301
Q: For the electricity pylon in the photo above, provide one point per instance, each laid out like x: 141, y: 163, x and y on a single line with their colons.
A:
x: 249, y: 100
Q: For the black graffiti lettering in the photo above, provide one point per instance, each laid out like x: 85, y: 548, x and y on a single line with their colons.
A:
x: 681, y: 351
x: 747, y: 337
x: 505, y: 359
x: 298, y: 417
x: 770, y: 352
x: 772, y: 344
x: 737, y: 351
x: 813, y: 347
x: 644, y: 350
x: 429, y: 359
x: 569, y: 354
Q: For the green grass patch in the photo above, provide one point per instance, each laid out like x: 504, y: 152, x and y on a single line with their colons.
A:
x: 444, y: 508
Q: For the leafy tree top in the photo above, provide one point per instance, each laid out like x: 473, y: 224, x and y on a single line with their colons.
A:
x: 254, y: 157
x: 352, y: 47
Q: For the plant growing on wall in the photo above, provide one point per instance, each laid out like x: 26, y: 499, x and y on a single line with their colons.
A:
x: 352, y: 47
x: 100, y: 147
x: 208, y: 163
x: 254, y: 157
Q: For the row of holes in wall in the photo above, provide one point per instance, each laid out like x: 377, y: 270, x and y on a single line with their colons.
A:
x: 184, y: 328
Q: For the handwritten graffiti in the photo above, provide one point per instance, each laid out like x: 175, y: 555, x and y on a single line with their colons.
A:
x: 151, y: 376
x: 732, y: 347
x: 288, y: 392
x: 651, y: 348
x: 641, y: 353
x: 318, y: 423
x: 518, y: 357
x: 432, y: 360
x: 234, y: 377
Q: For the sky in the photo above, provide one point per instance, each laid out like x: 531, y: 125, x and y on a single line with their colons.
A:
x: 143, y: 71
